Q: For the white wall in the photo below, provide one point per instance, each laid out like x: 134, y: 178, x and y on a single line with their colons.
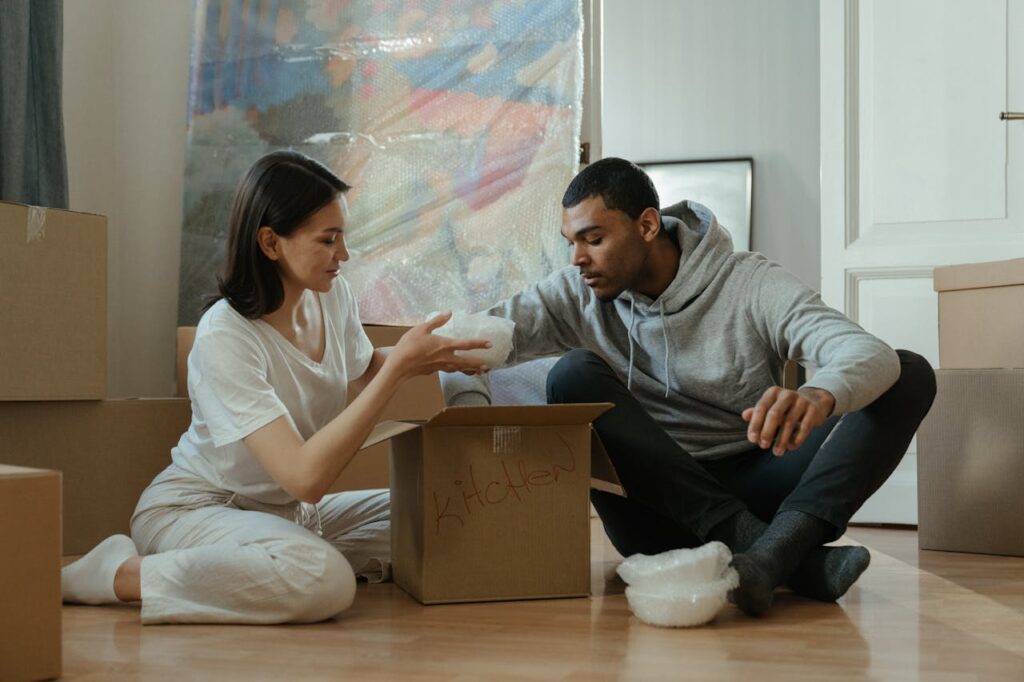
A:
x: 697, y: 79
x: 125, y: 97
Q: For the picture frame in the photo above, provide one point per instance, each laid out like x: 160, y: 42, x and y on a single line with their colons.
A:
x: 725, y: 186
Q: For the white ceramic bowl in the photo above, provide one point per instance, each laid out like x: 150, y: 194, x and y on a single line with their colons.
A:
x: 684, y: 607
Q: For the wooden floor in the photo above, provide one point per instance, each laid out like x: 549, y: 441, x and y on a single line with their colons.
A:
x: 913, y: 616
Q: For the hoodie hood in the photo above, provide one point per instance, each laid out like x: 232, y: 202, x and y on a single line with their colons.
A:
x: 704, y: 246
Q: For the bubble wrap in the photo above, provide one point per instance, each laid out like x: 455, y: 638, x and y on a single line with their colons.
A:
x: 457, y: 126
x: 681, y: 587
x: 497, y: 330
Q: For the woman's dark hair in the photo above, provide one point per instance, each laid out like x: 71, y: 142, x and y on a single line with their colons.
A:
x: 622, y: 184
x: 279, y: 191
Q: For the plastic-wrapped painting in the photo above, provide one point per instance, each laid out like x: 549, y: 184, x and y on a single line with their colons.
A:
x: 455, y: 121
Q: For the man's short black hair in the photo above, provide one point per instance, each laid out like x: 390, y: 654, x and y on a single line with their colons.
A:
x: 622, y: 184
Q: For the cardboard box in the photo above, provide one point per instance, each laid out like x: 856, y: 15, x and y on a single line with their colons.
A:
x: 981, y: 315
x: 419, y: 398
x: 492, y: 503
x: 53, y: 303
x: 970, y: 463
x: 186, y: 336
x: 30, y: 601
x: 108, y: 451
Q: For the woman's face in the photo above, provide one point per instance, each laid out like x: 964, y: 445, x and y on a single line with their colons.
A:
x: 310, y: 256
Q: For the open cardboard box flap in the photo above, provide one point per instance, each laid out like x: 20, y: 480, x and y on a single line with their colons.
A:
x: 602, y: 471
x: 387, y: 430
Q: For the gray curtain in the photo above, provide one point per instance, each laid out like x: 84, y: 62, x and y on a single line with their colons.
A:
x: 33, y: 166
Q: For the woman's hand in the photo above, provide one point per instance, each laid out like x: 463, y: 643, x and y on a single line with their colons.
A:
x: 419, y: 351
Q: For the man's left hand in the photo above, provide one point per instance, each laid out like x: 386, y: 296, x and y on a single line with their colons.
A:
x: 786, y: 417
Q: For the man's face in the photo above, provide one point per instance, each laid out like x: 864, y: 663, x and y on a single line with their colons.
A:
x: 606, y: 247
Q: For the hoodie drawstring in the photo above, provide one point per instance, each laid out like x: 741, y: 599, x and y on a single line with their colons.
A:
x: 629, y: 334
x: 664, y: 332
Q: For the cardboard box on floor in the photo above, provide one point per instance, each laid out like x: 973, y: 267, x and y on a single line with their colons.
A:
x: 492, y: 503
x: 981, y: 315
x: 53, y: 303
x: 970, y: 463
x: 108, y: 451
x: 30, y: 602
x: 419, y: 398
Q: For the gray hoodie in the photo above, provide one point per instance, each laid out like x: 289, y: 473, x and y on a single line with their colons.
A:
x: 708, y: 347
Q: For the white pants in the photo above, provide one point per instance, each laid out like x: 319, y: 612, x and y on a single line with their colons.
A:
x: 210, y: 556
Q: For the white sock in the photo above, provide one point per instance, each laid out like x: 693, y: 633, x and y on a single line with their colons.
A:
x: 90, y: 580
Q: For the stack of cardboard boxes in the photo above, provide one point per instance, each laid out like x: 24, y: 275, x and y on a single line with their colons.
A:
x: 53, y: 280
x: 971, y: 445
x: 54, y: 411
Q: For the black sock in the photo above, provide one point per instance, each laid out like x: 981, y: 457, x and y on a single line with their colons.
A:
x: 739, y: 531
x: 775, y: 556
x: 826, y: 573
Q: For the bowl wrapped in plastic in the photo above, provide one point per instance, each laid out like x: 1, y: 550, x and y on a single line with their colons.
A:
x: 497, y: 330
x: 681, y: 587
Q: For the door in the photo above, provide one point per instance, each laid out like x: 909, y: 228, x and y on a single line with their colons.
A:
x: 917, y: 168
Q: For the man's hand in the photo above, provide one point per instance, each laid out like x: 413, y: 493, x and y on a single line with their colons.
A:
x: 785, y: 417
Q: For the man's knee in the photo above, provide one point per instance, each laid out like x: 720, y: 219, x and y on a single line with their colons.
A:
x: 572, y: 377
x: 917, y: 380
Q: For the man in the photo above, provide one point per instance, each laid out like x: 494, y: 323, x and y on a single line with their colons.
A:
x: 688, y: 339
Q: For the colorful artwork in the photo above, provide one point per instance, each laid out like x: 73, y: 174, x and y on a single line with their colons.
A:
x: 455, y: 121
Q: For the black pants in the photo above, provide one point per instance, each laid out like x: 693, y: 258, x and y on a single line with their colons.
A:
x: 674, y: 500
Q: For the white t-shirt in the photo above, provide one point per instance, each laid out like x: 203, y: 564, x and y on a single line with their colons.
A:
x: 243, y: 374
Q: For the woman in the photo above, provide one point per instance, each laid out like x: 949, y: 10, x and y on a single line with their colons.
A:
x: 239, y: 528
